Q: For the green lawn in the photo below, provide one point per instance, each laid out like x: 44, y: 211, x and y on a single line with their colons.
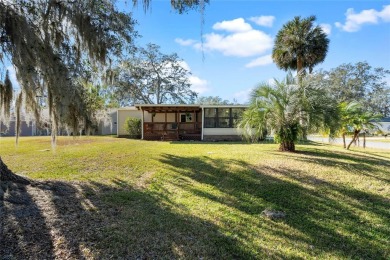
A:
x: 378, y: 139
x: 205, y: 200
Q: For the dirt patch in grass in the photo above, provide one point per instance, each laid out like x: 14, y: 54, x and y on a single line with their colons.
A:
x: 144, y: 181
x: 49, y: 220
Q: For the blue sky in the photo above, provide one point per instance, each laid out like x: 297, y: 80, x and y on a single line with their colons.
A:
x: 238, y: 38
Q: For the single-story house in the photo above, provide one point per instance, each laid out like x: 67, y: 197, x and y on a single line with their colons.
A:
x: 184, y: 122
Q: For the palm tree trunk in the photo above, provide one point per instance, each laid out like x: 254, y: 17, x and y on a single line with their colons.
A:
x: 299, y: 68
x: 302, y: 119
x: 364, y: 140
x: 287, y: 146
x: 345, y: 145
x: 355, y: 135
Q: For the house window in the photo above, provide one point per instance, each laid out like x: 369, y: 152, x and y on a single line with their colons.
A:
x: 187, y: 117
x: 222, y: 117
x: 210, y: 117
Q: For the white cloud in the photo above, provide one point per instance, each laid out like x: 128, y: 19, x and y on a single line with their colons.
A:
x: 199, y: 85
x: 184, y: 65
x: 239, y: 40
x: 236, y: 25
x: 354, y: 21
x: 385, y: 13
x: 265, y: 20
x: 243, y: 44
x: 242, y: 96
x: 327, y: 28
x: 185, y: 42
x: 262, y: 61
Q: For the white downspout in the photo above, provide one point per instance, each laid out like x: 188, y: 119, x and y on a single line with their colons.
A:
x: 142, y: 125
x: 117, y: 123
x: 202, y: 122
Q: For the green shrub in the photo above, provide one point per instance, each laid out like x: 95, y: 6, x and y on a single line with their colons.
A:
x: 133, y: 127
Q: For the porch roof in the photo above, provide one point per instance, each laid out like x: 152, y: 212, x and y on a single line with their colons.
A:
x: 162, y: 108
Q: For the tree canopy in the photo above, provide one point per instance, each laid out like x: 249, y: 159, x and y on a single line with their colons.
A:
x: 181, y: 6
x: 300, y: 44
x: 212, y: 100
x: 359, y: 82
x: 151, y: 77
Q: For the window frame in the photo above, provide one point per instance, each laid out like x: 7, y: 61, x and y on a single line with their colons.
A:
x: 217, y: 120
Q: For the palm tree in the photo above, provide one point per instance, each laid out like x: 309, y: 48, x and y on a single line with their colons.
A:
x: 361, y: 121
x: 300, y: 45
x: 354, y: 119
x: 276, y: 108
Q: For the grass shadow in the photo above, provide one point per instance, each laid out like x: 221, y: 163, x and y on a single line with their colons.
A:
x: 95, y: 220
x: 327, y: 217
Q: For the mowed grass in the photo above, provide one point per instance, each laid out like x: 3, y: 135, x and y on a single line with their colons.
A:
x: 205, y: 200
x: 378, y: 139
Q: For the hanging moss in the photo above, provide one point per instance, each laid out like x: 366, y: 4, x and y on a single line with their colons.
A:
x: 6, y: 95
x: 45, y: 41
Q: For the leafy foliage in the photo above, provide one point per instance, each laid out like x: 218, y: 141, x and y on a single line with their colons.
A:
x: 280, y: 107
x: 276, y: 108
x: 300, y: 45
x: 181, y: 6
x: 212, y: 100
x: 133, y: 127
x: 359, y: 82
x: 151, y: 77
x: 355, y: 119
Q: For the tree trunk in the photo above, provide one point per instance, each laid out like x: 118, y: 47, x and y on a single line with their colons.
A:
x: 364, y: 140
x: 299, y: 68
x: 355, y: 135
x: 7, y: 175
x: 287, y: 146
x: 344, y: 143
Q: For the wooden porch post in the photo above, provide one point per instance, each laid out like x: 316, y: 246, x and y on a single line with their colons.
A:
x: 177, y: 125
x: 143, y: 124
x: 165, y: 125
x: 194, y: 124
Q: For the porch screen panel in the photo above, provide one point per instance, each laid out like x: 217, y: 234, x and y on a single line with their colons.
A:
x: 210, y: 115
x: 223, y: 118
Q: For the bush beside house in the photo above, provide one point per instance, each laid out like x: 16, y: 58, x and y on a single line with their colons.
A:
x: 132, y: 127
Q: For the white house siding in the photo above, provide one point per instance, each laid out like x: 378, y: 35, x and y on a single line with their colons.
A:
x: 221, y: 134
x: 123, y: 114
x: 109, y: 127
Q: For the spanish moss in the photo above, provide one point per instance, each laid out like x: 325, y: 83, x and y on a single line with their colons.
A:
x: 46, y: 40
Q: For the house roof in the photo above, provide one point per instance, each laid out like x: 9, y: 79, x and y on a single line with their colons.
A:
x: 158, y: 108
